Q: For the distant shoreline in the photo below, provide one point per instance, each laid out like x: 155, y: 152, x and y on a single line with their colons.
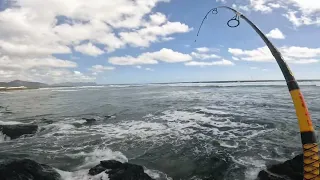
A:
x: 15, y: 88
x: 217, y: 82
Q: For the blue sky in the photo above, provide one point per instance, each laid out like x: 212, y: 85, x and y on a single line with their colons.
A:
x: 153, y: 40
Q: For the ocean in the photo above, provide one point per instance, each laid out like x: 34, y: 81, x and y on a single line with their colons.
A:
x: 221, y: 131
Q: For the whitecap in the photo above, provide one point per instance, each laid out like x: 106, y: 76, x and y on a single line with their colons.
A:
x: 93, y: 158
x: 254, y: 166
x: 66, y: 90
x: 81, y: 175
x: 229, y: 145
x: 10, y: 122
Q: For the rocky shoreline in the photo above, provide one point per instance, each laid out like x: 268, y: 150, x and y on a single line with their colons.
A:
x: 26, y: 169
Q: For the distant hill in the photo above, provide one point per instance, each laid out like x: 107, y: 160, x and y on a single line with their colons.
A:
x: 18, y: 83
x: 35, y: 85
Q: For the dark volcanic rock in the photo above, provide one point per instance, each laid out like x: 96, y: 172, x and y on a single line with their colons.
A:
x: 292, y: 169
x: 111, y: 164
x: 90, y: 120
x: 15, y: 131
x: 96, y: 170
x: 27, y: 169
x: 120, y: 171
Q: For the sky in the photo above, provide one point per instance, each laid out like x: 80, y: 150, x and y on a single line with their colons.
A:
x: 153, y: 41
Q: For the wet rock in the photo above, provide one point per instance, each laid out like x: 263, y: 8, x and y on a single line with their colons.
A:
x: 89, y: 120
x: 104, y: 165
x: 96, y: 170
x: 47, y: 121
x: 108, y: 117
x: 120, y: 171
x: 27, y: 169
x: 15, y: 131
x: 291, y: 169
x: 111, y: 164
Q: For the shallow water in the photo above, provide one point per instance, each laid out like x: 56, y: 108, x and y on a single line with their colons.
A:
x: 181, y: 131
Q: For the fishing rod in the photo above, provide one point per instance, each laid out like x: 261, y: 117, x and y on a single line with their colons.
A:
x: 308, y: 138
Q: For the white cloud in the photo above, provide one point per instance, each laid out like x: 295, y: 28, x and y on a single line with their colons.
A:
x: 257, y: 68
x: 150, y: 34
x: 241, y: 8
x: 158, y: 19
x: 306, y: 6
x: 260, y: 5
x: 37, y: 30
x: 168, y: 55
x: 31, y: 50
x: 274, y: 5
x: 139, y: 67
x: 306, y: 61
x: 99, y: 69
x: 149, y: 69
x: 20, y: 63
x: 203, y: 49
x: 222, y: 1
x: 275, y: 34
x: 129, y: 60
x: 223, y: 62
x: 204, y: 56
x: 304, y: 19
x: 293, y: 54
x: 298, y: 12
x: 165, y: 55
x: 89, y: 49
x: 206, y: 49
x: 235, y: 58
x: 45, y: 74
x: 167, y: 38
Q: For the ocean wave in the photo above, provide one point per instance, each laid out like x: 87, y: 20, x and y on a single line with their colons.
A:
x: 229, y: 144
x: 235, y: 84
x: 174, y: 126
x: 252, y: 164
x: 93, y: 158
x: 126, y: 86
x: 10, y: 122
x: 71, y: 89
x: 65, y: 90
x: 81, y: 175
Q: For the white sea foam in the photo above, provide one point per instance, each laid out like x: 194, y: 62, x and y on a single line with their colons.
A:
x: 229, y: 145
x: 93, y: 158
x: 65, y: 90
x: 126, y: 85
x: 61, y: 128
x: 81, y: 175
x: 178, y: 125
x: 10, y: 122
x: 254, y: 166
x: 156, y: 174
